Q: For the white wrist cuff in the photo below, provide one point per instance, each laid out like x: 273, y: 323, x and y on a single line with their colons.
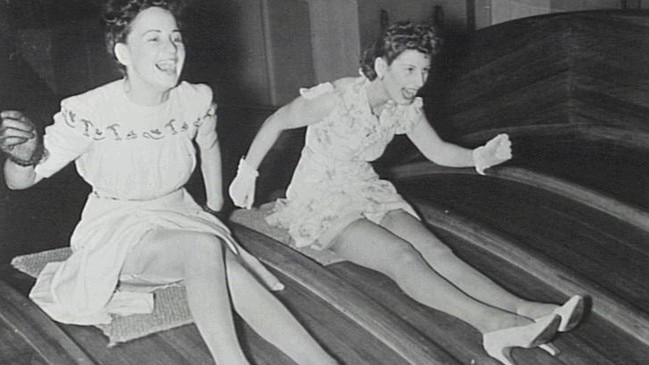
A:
x: 246, y: 169
x: 478, y: 161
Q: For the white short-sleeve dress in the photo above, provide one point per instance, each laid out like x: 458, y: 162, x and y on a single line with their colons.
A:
x: 334, y: 182
x: 137, y: 160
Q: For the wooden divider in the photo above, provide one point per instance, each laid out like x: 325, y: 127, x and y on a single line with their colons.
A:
x: 46, y: 339
x: 593, y: 199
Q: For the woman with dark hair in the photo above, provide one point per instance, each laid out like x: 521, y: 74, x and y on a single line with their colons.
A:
x: 133, y: 141
x: 337, y: 202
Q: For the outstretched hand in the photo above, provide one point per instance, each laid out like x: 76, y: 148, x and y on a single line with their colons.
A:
x: 242, y: 188
x: 19, y: 138
x: 496, y: 151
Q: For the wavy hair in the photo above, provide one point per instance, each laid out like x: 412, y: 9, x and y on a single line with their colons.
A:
x: 118, y: 15
x: 398, y: 38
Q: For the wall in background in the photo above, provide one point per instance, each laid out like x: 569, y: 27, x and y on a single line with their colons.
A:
x: 252, y: 52
x: 489, y: 12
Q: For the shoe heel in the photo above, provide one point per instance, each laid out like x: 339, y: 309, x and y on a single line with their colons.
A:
x: 571, y: 313
x: 498, y: 344
x: 550, y: 348
x: 504, y: 356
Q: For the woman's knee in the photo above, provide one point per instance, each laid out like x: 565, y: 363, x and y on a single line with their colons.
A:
x: 392, y: 217
x: 406, y: 256
x: 200, y: 248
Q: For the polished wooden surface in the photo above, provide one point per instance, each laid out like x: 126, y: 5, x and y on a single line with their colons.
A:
x: 567, y: 215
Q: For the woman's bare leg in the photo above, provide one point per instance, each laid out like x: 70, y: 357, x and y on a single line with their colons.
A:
x: 198, y: 260
x: 270, y: 319
x: 458, y: 272
x: 372, y: 246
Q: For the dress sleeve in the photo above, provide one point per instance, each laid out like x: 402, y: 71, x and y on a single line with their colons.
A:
x: 411, y: 117
x: 315, y: 91
x: 67, y: 139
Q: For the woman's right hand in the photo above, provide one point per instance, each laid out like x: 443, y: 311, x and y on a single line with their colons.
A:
x: 18, y: 137
x: 242, y: 188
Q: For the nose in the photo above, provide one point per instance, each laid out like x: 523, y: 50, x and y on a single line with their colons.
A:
x: 420, y: 79
x: 170, y: 46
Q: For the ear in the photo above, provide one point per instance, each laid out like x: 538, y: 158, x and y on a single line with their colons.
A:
x: 122, y: 54
x: 380, y: 66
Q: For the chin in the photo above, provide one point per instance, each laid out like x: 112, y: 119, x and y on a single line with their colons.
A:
x: 168, y: 84
x: 404, y: 101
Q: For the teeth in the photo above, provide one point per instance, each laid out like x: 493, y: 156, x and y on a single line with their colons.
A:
x: 408, y: 94
x: 167, y: 66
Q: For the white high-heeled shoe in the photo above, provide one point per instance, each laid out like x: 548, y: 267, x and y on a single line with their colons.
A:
x: 570, y: 313
x: 498, y: 344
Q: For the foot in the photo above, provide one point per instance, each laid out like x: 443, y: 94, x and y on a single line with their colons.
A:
x: 570, y: 312
x: 498, y: 344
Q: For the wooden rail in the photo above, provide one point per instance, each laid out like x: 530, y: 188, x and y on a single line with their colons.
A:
x: 593, y: 199
x: 37, y: 329
x: 613, y: 308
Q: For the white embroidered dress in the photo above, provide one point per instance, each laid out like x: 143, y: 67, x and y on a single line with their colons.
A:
x: 137, y: 160
x: 334, y: 182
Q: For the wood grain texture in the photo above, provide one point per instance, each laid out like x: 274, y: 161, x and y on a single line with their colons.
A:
x: 45, y: 339
x: 579, y: 71
x: 596, y: 200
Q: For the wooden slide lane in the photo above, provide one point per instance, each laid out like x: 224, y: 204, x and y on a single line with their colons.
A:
x: 29, y: 336
x: 349, y: 324
x: 601, y: 250
x: 604, y: 199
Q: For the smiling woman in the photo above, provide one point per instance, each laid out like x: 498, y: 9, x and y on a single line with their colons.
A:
x: 153, y: 49
x: 133, y: 141
x: 336, y: 201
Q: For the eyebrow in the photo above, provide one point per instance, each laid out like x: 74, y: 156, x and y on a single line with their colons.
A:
x: 159, y: 31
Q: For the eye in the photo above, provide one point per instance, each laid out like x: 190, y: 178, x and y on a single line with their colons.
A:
x: 177, y: 38
x: 152, y: 39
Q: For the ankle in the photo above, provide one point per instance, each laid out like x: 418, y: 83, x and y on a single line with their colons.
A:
x: 505, y: 321
x: 235, y: 359
x: 534, y: 310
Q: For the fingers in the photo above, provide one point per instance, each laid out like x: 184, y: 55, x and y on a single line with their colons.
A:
x: 17, y: 117
x: 10, y: 131
x: 15, y: 128
x: 11, y: 142
x: 501, y: 146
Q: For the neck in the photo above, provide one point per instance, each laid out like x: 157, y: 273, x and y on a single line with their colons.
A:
x: 144, y: 94
x: 377, y: 96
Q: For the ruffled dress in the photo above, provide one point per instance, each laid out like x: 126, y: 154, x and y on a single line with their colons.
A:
x: 334, y: 182
x: 137, y: 160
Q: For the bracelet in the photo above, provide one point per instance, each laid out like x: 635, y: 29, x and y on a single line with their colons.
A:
x: 39, y: 155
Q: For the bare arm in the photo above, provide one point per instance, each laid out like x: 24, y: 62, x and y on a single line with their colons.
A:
x: 298, y: 113
x: 18, y: 177
x: 212, y: 177
x: 494, y: 152
x: 424, y: 137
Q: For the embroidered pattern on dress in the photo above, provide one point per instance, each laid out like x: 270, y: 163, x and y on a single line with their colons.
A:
x: 116, y: 133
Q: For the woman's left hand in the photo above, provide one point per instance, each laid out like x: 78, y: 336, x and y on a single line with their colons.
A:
x: 494, y: 152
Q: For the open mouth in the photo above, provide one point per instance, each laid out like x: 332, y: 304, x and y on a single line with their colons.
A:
x: 408, y: 94
x: 168, y: 66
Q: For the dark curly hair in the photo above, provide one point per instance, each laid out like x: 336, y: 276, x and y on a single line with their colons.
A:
x: 119, y: 14
x: 399, y: 37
